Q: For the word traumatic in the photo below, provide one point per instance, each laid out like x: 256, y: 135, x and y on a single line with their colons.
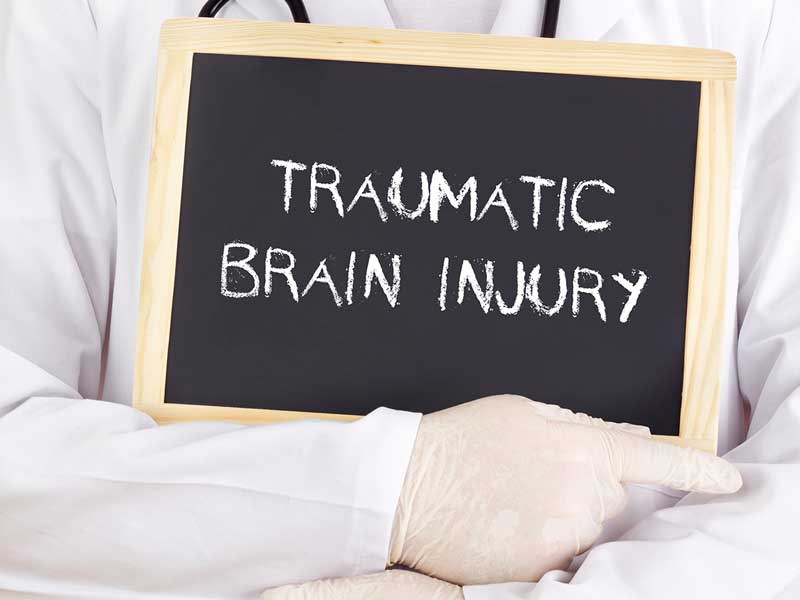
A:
x: 434, y: 192
x: 506, y: 290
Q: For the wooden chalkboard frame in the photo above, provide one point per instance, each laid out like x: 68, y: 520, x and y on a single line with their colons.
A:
x: 181, y: 38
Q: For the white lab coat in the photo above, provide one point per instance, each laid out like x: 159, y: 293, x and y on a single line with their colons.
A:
x: 97, y: 502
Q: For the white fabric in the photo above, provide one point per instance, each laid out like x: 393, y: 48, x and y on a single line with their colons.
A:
x: 94, y: 498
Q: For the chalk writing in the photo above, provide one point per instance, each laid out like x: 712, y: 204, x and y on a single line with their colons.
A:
x: 461, y: 280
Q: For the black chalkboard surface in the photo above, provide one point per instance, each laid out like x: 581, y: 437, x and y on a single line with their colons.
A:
x: 344, y: 218
x: 359, y: 120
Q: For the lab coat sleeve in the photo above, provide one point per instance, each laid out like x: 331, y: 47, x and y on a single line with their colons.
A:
x: 746, y: 546
x: 95, y: 500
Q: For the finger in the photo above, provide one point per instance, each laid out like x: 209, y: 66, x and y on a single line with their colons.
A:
x: 327, y: 589
x: 614, y: 501
x: 553, y: 412
x: 587, y: 536
x: 305, y: 591
x: 386, y: 585
x: 639, y: 460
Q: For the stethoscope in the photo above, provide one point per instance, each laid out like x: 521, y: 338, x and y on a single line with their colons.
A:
x: 300, y: 15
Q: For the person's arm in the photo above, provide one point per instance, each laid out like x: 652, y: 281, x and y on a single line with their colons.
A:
x: 505, y: 488
x: 745, y: 546
x: 95, y: 500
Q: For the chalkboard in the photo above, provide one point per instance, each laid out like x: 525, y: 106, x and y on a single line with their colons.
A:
x: 354, y: 234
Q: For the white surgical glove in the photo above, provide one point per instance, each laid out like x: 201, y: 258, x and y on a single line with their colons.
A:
x: 506, y: 489
x: 387, y: 585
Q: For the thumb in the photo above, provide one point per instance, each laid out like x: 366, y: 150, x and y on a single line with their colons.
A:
x: 641, y: 460
x: 386, y: 585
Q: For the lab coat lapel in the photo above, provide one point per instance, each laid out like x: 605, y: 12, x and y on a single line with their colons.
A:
x: 578, y: 19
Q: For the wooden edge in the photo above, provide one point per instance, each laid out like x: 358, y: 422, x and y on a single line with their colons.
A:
x: 161, y: 227
x: 511, y: 53
x: 180, y: 38
x: 705, y: 310
x: 173, y: 413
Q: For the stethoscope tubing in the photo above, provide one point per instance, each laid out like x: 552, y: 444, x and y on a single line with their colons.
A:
x: 297, y: 7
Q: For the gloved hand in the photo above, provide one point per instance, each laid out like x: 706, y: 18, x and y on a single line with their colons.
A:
x: 386, y: 585
x: 506, y: 489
